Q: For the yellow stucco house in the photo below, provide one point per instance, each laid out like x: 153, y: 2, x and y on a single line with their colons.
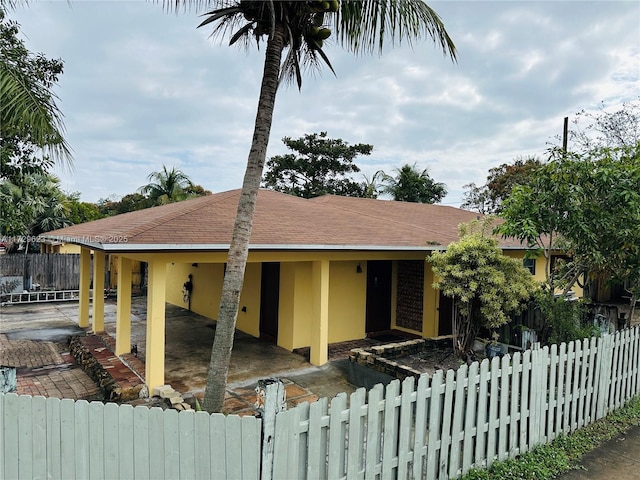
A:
x: 321, y: 270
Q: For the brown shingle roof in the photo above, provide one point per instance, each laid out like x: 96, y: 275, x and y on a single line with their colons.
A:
x: 280, y: 221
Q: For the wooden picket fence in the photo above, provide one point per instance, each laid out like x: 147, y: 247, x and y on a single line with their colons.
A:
x: 439, y: 427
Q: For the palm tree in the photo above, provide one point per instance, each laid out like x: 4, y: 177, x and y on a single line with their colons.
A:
x: 167, y: 186
x: 294, y: 32
x: 413, y: 185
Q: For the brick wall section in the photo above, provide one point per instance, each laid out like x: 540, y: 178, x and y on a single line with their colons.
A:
x: 410, y: 295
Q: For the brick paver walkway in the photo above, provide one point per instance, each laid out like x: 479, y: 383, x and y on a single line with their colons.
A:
x: 43, y: 368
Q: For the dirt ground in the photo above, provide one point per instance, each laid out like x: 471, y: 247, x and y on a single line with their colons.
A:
x: 437, y: 356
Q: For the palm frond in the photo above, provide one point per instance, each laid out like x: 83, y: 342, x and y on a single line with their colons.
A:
x: 29, y: 106
x: 364, y: 27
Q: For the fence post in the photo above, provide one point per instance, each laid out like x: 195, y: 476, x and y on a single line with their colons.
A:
x: 8, y: 380
x: 271, y: 399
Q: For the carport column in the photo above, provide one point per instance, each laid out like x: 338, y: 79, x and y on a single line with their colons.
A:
x: 123, y: 308
x: 156, y: 292
x: 98, y: 291
x: 85, y: 286
x: 320, y: 320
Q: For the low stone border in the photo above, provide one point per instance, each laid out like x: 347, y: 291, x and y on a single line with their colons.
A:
x: 85, y: 349
x: 380, y: 357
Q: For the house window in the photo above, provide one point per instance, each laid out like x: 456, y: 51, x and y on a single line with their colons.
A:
x: 530, y: 264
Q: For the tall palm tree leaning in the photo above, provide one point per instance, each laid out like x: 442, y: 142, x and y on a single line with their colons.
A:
x: 294, y: 32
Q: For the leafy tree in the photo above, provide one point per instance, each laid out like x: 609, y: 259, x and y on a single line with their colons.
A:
x: 294, y: 32
x: 167, y: 186
x: 320, y: 166
x: 604, y: 129
x: 488, y: 199
x: 30, y: 121
x: 486, y: 285
x: 36, y: 206
x: 128, y: 203
x: 81, y: 212
x: 413, y: 185
x: 587, y: 205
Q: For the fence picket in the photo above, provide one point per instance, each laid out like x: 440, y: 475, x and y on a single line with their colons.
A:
x: 68, y: 439
x: 54, y: 435
x: 39, y: 432
x: 505, y: 373
x: 457, y: 418
x: 111, y: 460
x: 434, y: 441
x: 337, y: 432
x: 157, y: 442
x: 405, y: 441
x: 141, y: 443
x: 251, y: 435
x: 494, y: 402
x: 390, y: 431
x: 233, y: 461
x: 218, y: 453
x: 202, y: 448
x: 482, y: 424
x: 552, y: 393
x: 172, y: 445
x: 519, y: 405
x: 421, y: 426
x: 96, y: 440
x: 590, y: 378
x: 125, y: 441
x: 470, y: 432
x: 445, y: 433
x: 82, y: 438
x: 318, y: 418
x: 373, y: 454
x: 355, y: 448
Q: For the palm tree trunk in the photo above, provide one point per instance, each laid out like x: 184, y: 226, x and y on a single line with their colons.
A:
x: 239, y: 248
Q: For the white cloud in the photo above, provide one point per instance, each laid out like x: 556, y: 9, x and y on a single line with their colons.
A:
x: 143, y: 88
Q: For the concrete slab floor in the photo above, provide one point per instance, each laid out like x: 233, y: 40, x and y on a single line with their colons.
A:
x: 189, y: 338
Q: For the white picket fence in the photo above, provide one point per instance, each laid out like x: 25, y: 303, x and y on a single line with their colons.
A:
x: 438, y: 429
x: 453, y: 422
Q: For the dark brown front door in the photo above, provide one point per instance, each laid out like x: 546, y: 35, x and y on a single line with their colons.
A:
x: 445, y: 315
x: 269, y: 301
x: 378, y: 296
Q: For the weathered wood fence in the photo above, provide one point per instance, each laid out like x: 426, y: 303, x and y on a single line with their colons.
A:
x: 52, y: 271
x: 437, y: 428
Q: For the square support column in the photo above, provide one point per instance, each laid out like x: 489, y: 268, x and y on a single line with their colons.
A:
x: 98, y: 291
x: 123, y: 307
x: 320, y: 319
x: 85, y: 286
x: 156, y: 293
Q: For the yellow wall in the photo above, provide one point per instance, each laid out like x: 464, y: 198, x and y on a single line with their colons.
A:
x: 249, y: 322
x: 347, y: 301
x: 540, y: 274
x: 136, y: 272
x: 207, y: 290
x: 295, y: 304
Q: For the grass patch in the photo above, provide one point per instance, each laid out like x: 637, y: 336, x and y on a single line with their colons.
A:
x: 564, y: 453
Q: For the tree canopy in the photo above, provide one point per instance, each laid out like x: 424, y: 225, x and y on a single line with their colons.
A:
x: 487, y: 286
x: 587, y: 205
x: 489, y: 198
x: 410, y: 184
x: 320, y: 166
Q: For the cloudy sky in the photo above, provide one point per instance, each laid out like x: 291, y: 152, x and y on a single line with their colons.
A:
x: 143, y: 88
